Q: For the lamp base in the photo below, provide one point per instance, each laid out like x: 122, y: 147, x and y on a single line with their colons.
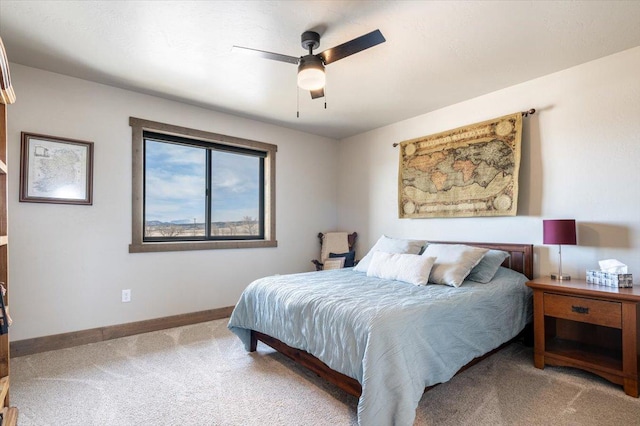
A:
x: 560, y: 277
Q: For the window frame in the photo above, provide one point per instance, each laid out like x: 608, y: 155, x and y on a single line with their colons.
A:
x: 138, y: 245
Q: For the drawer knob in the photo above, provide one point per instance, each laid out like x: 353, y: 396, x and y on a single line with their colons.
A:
x: 580, y: 309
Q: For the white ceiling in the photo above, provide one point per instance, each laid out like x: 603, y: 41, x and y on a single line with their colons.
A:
x: 437, y: 52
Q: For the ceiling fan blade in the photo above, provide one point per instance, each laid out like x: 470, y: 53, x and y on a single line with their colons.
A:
x: 268, y: 55
x: 315, y: 94
x: 352, y: 47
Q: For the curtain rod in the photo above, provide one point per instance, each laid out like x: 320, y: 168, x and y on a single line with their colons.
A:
x: 524, y: 114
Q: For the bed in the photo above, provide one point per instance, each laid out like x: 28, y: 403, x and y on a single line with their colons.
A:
x: 386, y: 341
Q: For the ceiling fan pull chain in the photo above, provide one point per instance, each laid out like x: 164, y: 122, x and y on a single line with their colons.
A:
x: 325, y: 93
x: 297, y: 102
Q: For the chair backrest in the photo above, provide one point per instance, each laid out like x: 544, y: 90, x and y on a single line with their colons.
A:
x: 334, y: 242
x: 340, y: 247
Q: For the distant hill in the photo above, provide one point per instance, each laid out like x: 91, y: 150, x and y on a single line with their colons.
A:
x: 183, y: 222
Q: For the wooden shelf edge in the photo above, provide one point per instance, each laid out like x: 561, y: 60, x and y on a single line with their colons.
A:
x: 585, y: 355
x: 4, y: 388
x: 612, y: 364
x: 609, y: 372
x: 9, y: 416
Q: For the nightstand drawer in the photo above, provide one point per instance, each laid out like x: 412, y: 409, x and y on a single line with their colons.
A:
x: 581, y: 309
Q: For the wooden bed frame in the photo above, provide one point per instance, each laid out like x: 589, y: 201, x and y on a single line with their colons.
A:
x: 520, y: 259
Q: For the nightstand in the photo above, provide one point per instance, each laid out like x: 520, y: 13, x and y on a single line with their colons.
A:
x: 591, y: 327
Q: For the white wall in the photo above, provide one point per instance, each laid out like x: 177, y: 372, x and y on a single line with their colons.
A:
x: 580, y: 159
x: 68, y: 264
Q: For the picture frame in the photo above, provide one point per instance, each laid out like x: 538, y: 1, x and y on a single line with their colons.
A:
x: 55, y: 170
x: 334, y: 263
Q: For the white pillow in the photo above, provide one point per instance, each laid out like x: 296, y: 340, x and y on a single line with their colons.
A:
x: 389, y: 245
x: 453, y: 262
x: 410, y: 268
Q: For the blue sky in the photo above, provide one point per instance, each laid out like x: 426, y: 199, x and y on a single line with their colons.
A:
x: 175, y: 189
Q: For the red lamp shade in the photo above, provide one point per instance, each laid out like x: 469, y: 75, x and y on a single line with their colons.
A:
x: 559, y: 231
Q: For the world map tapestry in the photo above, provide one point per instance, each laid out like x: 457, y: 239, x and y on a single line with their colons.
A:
x: 465, y: 172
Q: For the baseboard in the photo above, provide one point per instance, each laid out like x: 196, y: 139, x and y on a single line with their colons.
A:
x: 76, y: 338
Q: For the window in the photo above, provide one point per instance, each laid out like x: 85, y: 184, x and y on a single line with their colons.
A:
x: 195, y: 190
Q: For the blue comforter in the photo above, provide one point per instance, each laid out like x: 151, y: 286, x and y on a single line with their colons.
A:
x: 394, y: 338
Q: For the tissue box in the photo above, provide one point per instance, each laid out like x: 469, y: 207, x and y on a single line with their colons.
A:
x: 609, y: 279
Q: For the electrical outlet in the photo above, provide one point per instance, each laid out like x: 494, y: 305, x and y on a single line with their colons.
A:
x: 126, y: 295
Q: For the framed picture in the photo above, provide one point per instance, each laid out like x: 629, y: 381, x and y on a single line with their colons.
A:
x: 334, y: 263
x: 56, y: 170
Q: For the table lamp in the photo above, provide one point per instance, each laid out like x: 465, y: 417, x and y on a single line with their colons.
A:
x: 559, y: 231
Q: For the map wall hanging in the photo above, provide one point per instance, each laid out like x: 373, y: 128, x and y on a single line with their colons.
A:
x: 464, y: 172
x: 56, y: 170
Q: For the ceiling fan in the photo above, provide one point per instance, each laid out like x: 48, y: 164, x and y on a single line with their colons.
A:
x: 311, y: 67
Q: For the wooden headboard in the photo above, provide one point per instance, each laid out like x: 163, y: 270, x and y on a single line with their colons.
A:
x: 520, y: 255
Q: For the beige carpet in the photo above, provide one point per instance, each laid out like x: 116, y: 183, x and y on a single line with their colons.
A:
x: 201, y: 375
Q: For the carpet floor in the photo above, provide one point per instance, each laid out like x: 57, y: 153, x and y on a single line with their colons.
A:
x: 201, y: 375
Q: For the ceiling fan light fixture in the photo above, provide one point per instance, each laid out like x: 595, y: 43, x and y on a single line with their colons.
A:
x: 311, y: 73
